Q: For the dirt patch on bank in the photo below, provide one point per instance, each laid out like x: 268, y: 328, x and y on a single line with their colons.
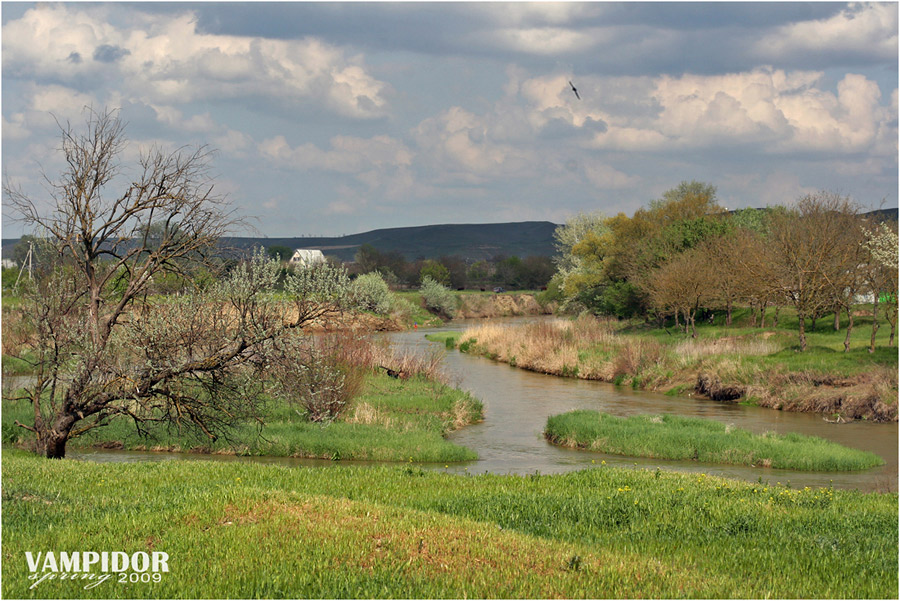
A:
x: 850, y: 398
x: 476, y: 306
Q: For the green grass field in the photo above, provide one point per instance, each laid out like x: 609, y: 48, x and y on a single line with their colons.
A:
x: 392, y: 420
x: 825, y: 350
x: 705, y: 440
x: 243, y: 530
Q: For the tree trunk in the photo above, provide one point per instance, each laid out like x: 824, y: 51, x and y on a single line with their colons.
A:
x: 728, y: 314
x: 677, y: 323
x: 837, y: 320
x: 802, y: 319
x: 762, y: 314
x: 775, y: 320
x: 874, y: 324
x: 52, y: 442
x: 752, y: 315
x: 849, y: 329
x: 691, y: 315
x: 812, y: 322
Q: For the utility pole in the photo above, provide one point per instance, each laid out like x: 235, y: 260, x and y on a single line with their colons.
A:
x: 28, y: 260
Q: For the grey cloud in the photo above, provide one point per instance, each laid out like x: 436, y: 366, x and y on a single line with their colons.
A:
x: 562, y: 127
x: 634, y: 38
x: 109, y: 54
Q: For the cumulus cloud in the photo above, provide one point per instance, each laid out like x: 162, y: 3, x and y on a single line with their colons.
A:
x: 774, y: 110
x: 459, y: 144
x: 860, y: 30
x: 164, y: 59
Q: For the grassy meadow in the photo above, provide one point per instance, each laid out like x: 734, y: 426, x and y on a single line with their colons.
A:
x: 705, y: 440
x: 240, y: 530
x: 755, y: 365
x: 392, y: 420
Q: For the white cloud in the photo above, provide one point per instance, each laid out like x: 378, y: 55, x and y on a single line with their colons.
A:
x: 775, y: 110
x: 542, y: 40
x: 862, y: 28
x: 163, y: 59
x: 459, y: 145
x: 535, y: 13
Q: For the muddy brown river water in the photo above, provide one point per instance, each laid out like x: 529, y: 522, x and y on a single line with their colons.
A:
x: 517, y: 404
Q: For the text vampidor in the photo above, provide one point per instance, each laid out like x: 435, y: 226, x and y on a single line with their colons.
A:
x: 105, y: 561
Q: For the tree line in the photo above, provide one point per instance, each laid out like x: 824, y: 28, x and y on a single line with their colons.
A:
x: 685, y: 255
x: 529, y: 273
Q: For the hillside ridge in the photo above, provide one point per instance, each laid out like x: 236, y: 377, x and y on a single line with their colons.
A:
x: 467, y: 240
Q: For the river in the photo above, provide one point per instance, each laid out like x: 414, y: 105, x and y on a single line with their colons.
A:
x: 517, y: 404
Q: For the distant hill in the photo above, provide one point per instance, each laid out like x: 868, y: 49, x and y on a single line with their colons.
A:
x: 471, y: 241
x: 884, y: 214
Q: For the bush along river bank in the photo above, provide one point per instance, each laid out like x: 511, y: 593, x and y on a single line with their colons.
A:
x: 748, y: 365
x: 393, y: 406
x: 242, y: 530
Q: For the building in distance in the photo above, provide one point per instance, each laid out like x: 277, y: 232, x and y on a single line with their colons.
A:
x: 305, y: 257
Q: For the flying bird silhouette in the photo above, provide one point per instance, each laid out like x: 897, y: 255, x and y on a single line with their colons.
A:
x: 574, y: 90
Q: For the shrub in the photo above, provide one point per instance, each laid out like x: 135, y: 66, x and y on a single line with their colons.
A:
x: 438, y: 298
x: 314, y: 373
x: 370, y: 292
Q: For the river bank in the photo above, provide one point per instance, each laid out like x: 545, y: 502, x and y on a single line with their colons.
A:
x: 392, y: 419
x: 740, y: 365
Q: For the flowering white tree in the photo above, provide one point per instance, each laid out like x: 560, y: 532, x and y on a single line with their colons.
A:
x: 882, y: 245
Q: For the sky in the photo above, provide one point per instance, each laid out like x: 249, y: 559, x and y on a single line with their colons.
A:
x: 338, y: 118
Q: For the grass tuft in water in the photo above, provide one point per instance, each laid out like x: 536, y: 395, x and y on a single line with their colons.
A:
x: 674, y: 437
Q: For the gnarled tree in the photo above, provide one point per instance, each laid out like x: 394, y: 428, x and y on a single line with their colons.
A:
x: 100, y: 345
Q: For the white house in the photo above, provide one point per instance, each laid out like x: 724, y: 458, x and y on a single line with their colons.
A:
x: 305, y: 257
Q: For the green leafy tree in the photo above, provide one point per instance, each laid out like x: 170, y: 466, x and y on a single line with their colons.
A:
x: 436, y: 271
x: 624, y: 250
x: 280, y: 252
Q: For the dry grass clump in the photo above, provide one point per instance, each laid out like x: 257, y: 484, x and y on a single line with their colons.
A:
x: 409, y: 363
x: 551, y: 346
x: 365, y: 351
x: 364, y: 413
x: 637, y: 357
x: 464, y: 411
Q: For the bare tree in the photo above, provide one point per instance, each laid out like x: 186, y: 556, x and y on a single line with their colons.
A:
x: 804, y: 254
x: 683, y: 284
x: 101, y: 346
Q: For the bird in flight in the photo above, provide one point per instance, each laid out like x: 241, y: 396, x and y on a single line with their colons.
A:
x: 571, y: 85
